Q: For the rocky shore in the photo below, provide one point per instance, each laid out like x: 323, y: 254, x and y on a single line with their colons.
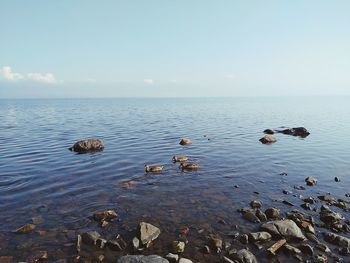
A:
x: 312, y: 228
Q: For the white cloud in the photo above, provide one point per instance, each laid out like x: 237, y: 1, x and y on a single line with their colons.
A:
x: 44, y: 78
x: 148, y: 81
x: 173, y: 80
x: 7, y: 73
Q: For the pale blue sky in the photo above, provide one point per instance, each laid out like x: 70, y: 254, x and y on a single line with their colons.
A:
x: 174, y: 48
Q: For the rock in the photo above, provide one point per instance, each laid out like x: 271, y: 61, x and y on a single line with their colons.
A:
x: 85, y: 146
x: 292, y: 250
x: 287, y: 203
x: 299, y: 187
x: 272, y: 213
x: 307, y: 226
x: 135, y: 243
x: 255, y: 204
x: 337, y: 179
x: 185, y: 141
x: 101, y: 243
x: 320, y: 259
x: 148, y: 233
x: 249, y: 215
x: 79, y: 241
x: 142, y: 259
x: 329, y: 217
x: 328, y: 199
x: 268, y: 139
x: 306, y: 206
x: 269, y: 131
x: 286, y: 192
x: 116, y: 245
x: 345, y: 251
x: 173, y: 258
x: 178, y: 246
x: 38, y: 257
x: 259, y: 236
x: 306, y: 249
x: 297, y: 131
x: 275, y: 247
x: 105, y: 215
x: 337, y: 239
x: 261, y: 215
x: 90, y: 237
x: 323, y: 247
x: 244, y: 239
x: 216, y: 243
x: 185, y: 260
x: 310, y: 200
x: 25, y: 229
x: 283, y: 228
x: 206, y: 249
x: 244, y: 256
x: 311, y: 181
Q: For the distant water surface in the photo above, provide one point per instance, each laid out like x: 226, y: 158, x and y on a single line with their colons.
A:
x: 41, y: 178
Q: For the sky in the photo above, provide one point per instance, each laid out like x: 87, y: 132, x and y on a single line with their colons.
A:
x: 174, y: 48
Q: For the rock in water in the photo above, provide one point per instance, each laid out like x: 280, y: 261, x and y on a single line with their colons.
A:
x: 185, y: 141
x: 25, y: 229
x: 148, y: 233
x: 142, y: 259
x: 311, y: 181
x: 268, y: 139
x: 244, y: 256
x: 283, y: 228
x: 269, y: 131
x: 337, y: 239
x: 259, y: 236
x: 105, y: 215
x: 85, y: 146
x: 298, y: 131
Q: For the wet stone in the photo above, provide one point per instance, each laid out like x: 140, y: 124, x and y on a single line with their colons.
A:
x: 283, y: 228
x: 172, y: 257
x: 260, y: 236
x: 85, y: 146
x: 185, y: 141
x: 206, y: 249
x: 37, y: 257
x: 27, y: 228
x: 291, y: 249
x: 337, y: 239
x: 244, y: 239
x: 90, y: 238
x: 244, y: 256
x: 105, y: 215
x: 216, y: 243
x: 249, y: 215
x: 306, y: 249
x: 148, y: 232
x: 337, y: 179
x: 272, y: 213
x: 261, y: 215
x: 135, y: 243
x: 273, y: 250
x: 268, y: 139
x: 185, y: 260
x: 255, y: 204
x: 311, y: 181
x: 142, y: 259
x: 178, y: 246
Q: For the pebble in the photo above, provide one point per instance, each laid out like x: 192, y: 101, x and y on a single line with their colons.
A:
x: 311, y: 181
x: 178, y: 246
x: 337, y: 179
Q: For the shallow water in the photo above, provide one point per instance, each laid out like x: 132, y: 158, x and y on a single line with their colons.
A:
x: 39, y: 177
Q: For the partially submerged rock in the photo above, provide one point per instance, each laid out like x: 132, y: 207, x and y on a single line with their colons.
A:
x: 25, y: 229
x: 105, y: 215
x: 269, y: 131
x: 337, y: 239
x: 272, y: 213
x: 148, y: 233
x: 311, y: 181
x: 297, y: 131
x: 85, y: 146
x: 283, y: 228
x: 142, y: 259
x: 259, y: 236
x: 268, y: 139
x: 185, y: 141
x: 178, y: 246
x: 244, y: 256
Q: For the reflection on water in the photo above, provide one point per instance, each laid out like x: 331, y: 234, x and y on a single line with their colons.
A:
x: 39, y: 177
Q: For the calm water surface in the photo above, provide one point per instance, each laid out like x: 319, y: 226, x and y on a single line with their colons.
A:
x: 40, y: 178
